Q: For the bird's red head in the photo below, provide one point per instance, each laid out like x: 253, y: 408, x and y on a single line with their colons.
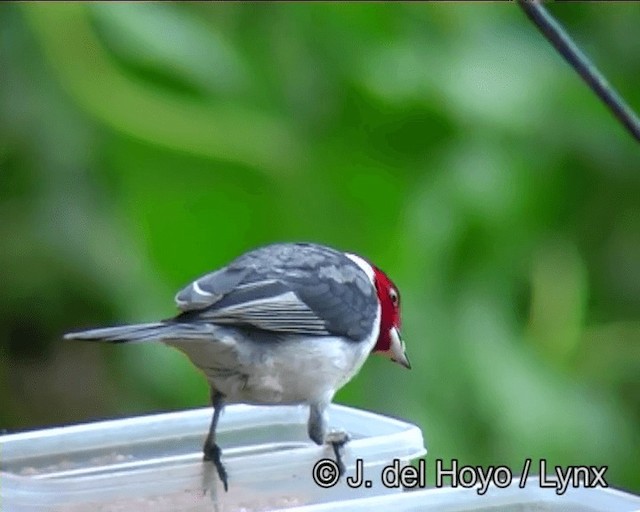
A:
x: 389, y: 342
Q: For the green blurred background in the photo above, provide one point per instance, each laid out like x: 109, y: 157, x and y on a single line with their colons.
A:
x: 142, y: 145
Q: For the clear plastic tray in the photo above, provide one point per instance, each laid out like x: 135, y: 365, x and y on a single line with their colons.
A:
x: 532, y: 498
x: 155, y: 462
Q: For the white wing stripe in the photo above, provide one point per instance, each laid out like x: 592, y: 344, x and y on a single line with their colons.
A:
x: 257, y: 284
x: 282, y: 313
x: 200, y: 291
x: 285, y: 302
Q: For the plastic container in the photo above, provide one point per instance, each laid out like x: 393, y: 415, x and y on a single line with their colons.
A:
x: 532, y: 498
x: 155, y: 462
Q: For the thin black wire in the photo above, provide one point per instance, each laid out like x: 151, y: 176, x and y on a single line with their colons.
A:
x: 581, y: 63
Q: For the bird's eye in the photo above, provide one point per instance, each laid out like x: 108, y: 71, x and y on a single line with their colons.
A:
x: 393, y: 295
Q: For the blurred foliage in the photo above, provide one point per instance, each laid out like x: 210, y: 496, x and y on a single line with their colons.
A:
x: 144, y: 144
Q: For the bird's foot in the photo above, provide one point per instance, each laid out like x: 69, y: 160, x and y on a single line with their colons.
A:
x: 337, y: 439
x: 213, y: 453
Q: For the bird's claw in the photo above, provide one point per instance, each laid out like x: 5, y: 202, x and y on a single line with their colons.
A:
x: 337, y: 439
x: 213, y: 453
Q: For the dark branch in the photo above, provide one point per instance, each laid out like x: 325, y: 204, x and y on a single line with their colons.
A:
x: 580, y: 62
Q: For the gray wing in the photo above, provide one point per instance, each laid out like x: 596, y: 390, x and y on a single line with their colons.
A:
x: 288, y: 288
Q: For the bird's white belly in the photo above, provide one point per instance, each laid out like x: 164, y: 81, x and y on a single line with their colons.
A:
x: 287, y: 371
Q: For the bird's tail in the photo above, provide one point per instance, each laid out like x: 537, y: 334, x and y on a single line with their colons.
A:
x: 158, y: 331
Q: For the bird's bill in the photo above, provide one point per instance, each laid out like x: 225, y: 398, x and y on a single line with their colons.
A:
x: 397, y: 351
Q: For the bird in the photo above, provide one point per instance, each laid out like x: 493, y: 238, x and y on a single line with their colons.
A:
x: 284, y: 324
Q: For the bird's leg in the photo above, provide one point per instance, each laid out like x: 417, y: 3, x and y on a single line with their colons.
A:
x: 317, y: 429
x: 211, y: 450
x: 337, y: 439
